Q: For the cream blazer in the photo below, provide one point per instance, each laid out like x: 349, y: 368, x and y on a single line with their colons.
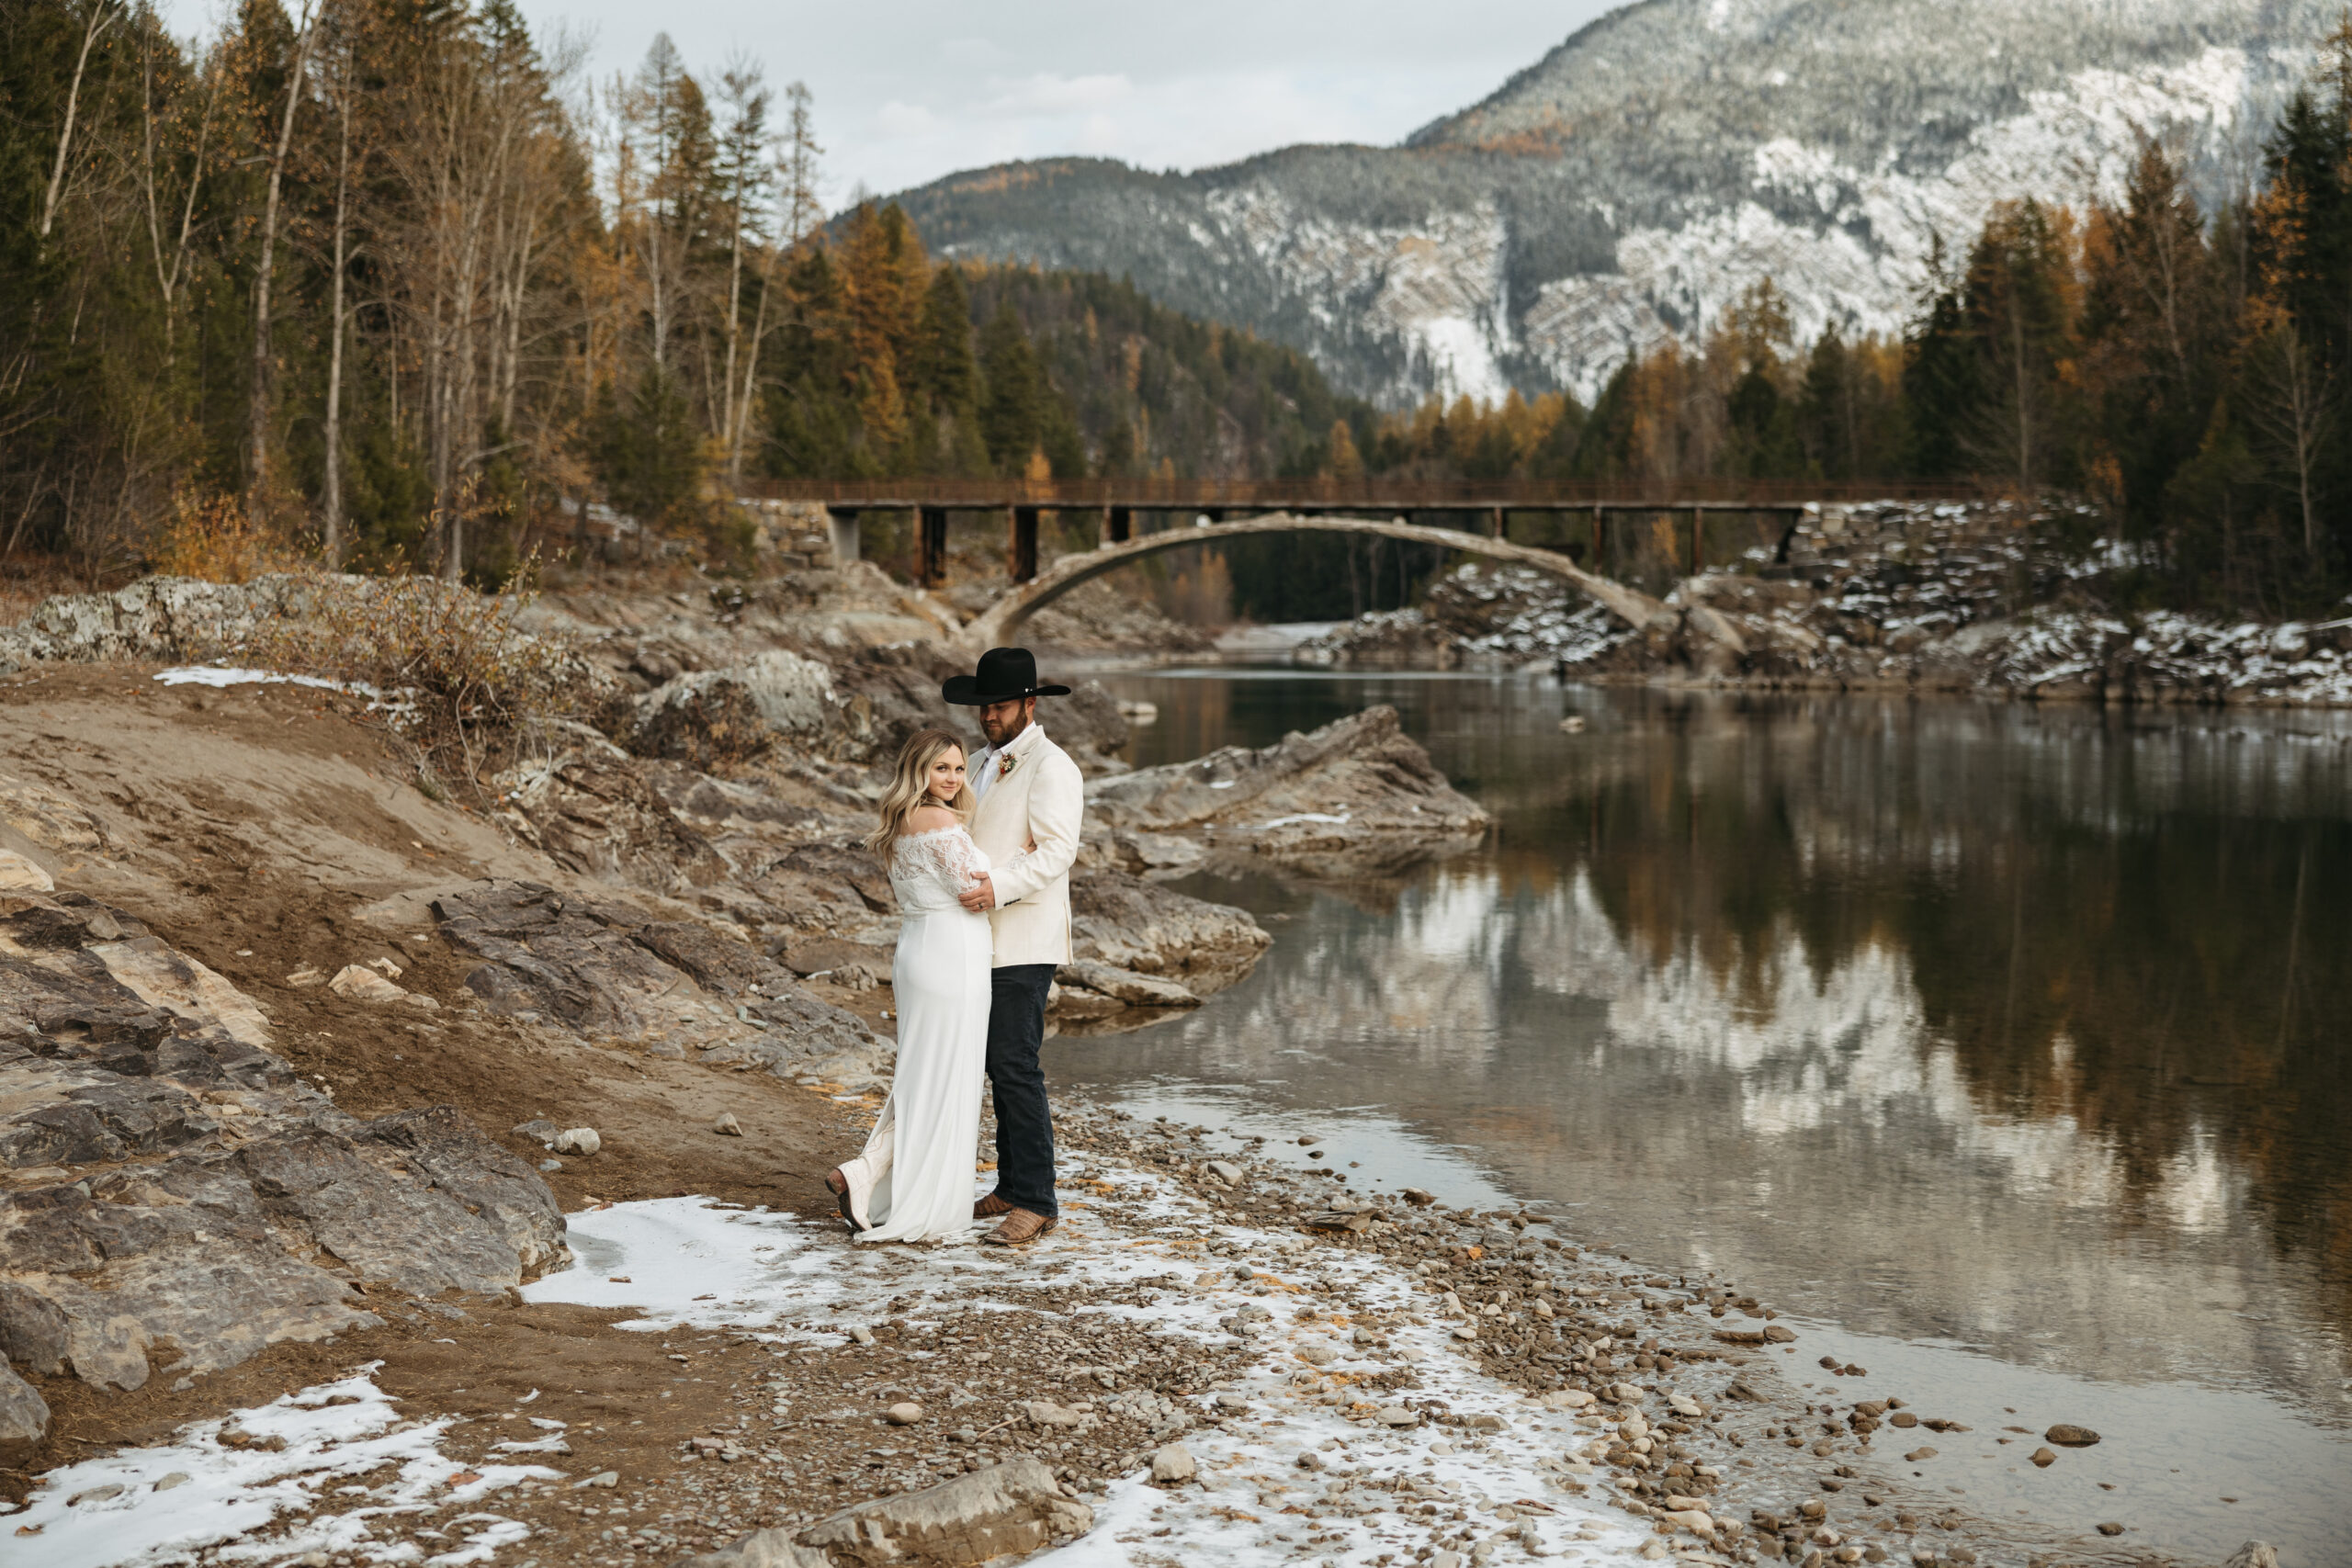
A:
x: 1028, y: 825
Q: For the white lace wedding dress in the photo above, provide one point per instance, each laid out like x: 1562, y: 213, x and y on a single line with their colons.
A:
x: 916, y: 1171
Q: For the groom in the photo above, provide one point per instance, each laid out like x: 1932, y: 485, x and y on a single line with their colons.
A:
x: 1031, y: 798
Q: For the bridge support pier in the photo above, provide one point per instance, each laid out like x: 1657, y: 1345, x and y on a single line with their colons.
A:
x: 842, y: 526
x: 1021, y: 560
x: 931, y: 547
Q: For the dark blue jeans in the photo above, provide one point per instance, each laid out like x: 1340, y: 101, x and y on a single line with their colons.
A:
x: 1024, y: 1127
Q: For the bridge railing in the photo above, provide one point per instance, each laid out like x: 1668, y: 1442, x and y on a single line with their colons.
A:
x: 1380, y: 495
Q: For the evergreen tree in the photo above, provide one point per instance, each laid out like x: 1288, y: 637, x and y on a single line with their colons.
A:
x: 1942, y: 376
x: 1012, y: 412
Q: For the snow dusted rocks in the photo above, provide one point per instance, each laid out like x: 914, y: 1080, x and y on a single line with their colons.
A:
x: 1117, y: 1331
x: 235, y: 1206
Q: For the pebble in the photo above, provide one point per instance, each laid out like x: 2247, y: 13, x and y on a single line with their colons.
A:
x: 551, y: 1165
x: 177, y: 1479
x: 905, y: 1413
x: 727, y: 1126
x: 1396, y: 1416
x: 2068, y: 1437
x: 577, y: 1141
x: 605, y: 1478
x: 862, y: 1333
x: 2112, y: 1527
x: 2044, y: 1457
x: 1916, y: 1455
x: 1903, y: 1418
x: 1225, y: 1171
x: 1173, y: 1465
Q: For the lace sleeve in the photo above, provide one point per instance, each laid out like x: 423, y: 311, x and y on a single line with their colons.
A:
x: 945, y: 858
x: 961, y: 859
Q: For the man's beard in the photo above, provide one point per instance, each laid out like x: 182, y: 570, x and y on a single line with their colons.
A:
x: 1000, y: 731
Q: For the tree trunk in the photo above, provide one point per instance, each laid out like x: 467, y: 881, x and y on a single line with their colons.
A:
x: 332, y: 500
x: 258, y: 410
x: 101, y: 17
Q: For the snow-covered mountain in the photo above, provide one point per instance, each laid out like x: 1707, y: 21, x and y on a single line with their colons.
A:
x: 1640, y: 175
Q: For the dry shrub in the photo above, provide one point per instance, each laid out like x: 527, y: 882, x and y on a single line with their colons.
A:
x: 453, y: 670
x: 213, y: 537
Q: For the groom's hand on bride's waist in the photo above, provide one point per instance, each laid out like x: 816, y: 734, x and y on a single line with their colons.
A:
x: 981, y: 897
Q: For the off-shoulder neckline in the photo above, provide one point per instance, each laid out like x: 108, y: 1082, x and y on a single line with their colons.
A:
x: 933, y: 832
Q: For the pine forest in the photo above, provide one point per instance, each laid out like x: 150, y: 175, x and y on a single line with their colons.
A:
x: 394, y: 284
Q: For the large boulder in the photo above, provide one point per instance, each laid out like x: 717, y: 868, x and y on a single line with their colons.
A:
x: 713, y: 717
x: 1356, y: 796
x: 1129, y: 924
x: 1016, y: 1506
x: 609, y: 970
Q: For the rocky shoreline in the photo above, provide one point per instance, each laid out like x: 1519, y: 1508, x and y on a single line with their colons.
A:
x: 1218, y: 1356
x: 1982, y: 598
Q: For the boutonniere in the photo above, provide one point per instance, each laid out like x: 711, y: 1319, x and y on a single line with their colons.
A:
x: 1006, y: 763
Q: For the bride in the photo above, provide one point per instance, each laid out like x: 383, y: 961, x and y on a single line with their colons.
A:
x: 941, y: 984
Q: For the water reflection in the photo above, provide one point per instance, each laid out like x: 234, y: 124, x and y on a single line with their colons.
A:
x: 2021, y: 1030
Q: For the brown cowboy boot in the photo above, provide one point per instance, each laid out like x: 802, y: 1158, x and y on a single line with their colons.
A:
x: 989, y: 1207
x: 1020, y: 1228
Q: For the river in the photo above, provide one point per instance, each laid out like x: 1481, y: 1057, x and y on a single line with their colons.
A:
x: 2002, y: 1046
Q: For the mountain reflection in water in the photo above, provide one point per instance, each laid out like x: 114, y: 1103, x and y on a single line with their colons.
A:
x: 2021, y: 1029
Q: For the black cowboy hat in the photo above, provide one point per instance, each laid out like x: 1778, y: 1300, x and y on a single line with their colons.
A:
x: 1007, y: 675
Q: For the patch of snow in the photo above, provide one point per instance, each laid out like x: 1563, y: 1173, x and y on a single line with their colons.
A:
x: 789, y: 1279
x: 221, y: 677
x: 227, y: 1497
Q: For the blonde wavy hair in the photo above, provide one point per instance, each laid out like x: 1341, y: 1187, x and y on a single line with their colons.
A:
x: 910, y: 788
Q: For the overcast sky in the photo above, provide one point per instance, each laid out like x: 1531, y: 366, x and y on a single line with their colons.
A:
x: 909, y: 90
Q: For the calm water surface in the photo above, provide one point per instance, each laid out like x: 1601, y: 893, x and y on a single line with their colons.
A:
x: 2005, y: 1045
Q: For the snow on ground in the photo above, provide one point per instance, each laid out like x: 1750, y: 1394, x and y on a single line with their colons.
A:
x: 161, y: 1505
x: 694, y: 1262
x: 684, y: 1262
x: 219, y: 676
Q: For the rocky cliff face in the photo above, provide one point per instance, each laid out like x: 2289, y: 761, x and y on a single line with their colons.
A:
x: 1630, y: 185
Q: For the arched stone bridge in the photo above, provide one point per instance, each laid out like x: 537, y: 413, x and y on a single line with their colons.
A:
x: 995, y: 626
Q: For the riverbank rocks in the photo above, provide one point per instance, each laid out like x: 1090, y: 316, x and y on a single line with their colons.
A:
x: 606, y: 969
x: 760, y: 1548
x: 24, y: 1414
x: 1016, y: 1506
x: 1357, y: 796
x: 234, y: 1206
x: 713, y: 718
x: 2070, y: 1437
x: 1173, y: 1465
